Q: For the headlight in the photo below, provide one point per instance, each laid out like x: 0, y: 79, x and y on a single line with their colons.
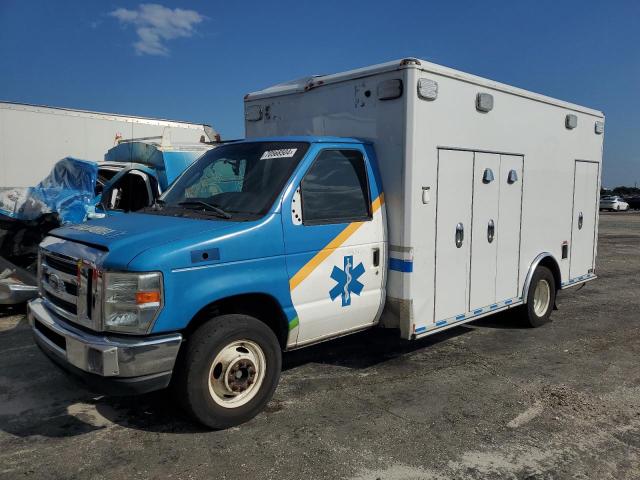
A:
x: 131, y: 301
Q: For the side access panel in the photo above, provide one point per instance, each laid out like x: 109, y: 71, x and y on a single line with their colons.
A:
x: 453, y: 232
x: 585, y: 209
x: 509, y: 226
x: 485, y: 226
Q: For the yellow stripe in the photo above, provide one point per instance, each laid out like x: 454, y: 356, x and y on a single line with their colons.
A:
x: 377, y: 203
x: 322, y: 255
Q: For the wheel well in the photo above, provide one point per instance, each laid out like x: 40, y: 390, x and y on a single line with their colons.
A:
x: 545, y: 260
x: 259, y: 305
x: 552, y: 265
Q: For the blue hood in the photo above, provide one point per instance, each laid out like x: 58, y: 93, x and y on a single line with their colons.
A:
x: 126, y: 236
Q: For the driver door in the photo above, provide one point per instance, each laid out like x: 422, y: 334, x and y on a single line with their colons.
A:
x: 334, y: 240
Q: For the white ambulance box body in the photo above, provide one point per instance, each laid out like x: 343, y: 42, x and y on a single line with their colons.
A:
x: 482, y: 181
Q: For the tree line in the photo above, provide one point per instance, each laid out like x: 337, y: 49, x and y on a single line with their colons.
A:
x: 622, y: 191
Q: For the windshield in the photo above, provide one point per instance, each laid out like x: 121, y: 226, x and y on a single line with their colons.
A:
x: 235, y: 180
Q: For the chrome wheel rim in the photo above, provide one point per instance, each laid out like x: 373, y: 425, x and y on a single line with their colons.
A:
x: 237, y: 373
x: 541, y: 298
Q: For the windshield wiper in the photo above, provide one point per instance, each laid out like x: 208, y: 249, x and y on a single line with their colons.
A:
x: 207, y: 206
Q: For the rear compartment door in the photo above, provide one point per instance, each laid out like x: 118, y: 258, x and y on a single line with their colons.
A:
x: 453, y: 232
x: 583, y: 228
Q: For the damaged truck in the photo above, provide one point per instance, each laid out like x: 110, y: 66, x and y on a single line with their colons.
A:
x: 132, y: 177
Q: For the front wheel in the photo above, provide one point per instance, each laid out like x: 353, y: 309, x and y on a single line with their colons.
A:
x: 229, y: 371
x: 541, y: 297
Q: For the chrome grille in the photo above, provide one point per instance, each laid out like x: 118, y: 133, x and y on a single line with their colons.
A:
x: 69, y: 288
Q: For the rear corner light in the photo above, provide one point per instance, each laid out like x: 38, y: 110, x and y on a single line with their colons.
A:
x: 484, y: 102
x: 427, y: 89
x: 571, y: 121
x: 410, y: 61
x: 390, y: 89
x: 599, y: 128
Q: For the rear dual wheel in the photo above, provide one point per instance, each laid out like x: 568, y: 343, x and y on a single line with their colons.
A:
x: 229, y: 371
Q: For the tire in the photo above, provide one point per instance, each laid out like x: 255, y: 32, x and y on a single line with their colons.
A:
x: 543, y: 285
x: 229, y: 351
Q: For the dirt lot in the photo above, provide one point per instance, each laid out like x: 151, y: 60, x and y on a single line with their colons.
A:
x: 484, y: 401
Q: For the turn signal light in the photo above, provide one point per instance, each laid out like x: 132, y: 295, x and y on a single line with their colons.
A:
x: 147, y: 297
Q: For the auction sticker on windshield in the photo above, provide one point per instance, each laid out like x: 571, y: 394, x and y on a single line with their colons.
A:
x: 282, y: 153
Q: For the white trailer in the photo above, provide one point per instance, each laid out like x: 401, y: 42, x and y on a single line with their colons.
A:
x: 33, y: 138
x: 483, y: 183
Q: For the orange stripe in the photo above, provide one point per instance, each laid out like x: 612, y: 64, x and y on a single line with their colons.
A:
x: 322, y: 255
x: 378, y: 202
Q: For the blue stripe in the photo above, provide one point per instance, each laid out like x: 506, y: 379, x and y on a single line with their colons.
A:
x: 507, y: 302
x: 400, y: 265
x: 475, y: 312
x: 494, y: 306
x: 460, y: 317
x: 440, y: 323
x: 421, y: 329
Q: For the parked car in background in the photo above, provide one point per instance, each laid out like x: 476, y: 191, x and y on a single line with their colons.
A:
x: 613, y: 203
x: 634, y: 202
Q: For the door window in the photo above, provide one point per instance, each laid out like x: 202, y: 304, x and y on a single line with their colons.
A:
x: 130, y: 193
x: 335, y: 189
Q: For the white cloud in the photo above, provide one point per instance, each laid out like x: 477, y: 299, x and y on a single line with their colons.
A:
x: 156, y: 24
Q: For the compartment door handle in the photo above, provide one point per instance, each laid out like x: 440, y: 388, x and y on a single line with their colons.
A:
x: 459, y: 235
x: 491, y: 231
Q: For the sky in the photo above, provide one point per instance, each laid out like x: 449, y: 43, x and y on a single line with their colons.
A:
x: 195, y: 60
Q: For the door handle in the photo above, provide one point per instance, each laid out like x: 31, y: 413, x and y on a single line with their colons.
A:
x: 376, y: 257
x: 459, y: 235
x: 580, y: 220
x: 491, y: 231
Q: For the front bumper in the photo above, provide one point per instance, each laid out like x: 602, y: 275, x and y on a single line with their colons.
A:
x: 119, y: 365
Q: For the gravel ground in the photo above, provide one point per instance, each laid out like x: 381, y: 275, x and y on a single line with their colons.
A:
x: 488, y: 400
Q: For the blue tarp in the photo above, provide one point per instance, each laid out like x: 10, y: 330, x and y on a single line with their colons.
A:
x: 69, y: 191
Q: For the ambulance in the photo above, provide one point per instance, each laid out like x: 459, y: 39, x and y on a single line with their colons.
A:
x: 405, y: 195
